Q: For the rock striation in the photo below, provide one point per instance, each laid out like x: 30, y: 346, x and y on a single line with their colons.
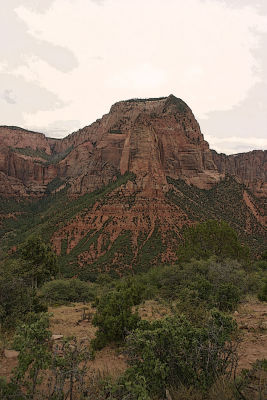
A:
x: 127, y: 185
x: 152, y: 138
x: 250, y: 168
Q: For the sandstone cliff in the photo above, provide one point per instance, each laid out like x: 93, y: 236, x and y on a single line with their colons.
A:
x: 126, y: 186
x: 152, y: 138
x: 250, y: 168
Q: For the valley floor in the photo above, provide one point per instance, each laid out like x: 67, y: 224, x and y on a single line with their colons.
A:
x: 68, y: 320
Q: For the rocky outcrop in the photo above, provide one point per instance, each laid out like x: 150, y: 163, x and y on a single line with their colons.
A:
x: 133, y: 180
x: 153, y: 138
x: 250, y: 168
x: 15, y: 137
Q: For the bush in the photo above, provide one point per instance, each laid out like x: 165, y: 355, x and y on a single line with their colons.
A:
x: 17, y: 299
x: 227, y: 297
x: 63, y: 291
x: 260, y: 265
x: 41, y: 262
x: 42, y: 372
x: 212, y: 238
x: 207, y: 282
x: 262, y: 295
x: 114, y: 317
x: 172, y: 352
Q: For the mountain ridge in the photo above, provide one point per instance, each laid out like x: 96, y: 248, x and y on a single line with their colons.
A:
x: 116, y: 195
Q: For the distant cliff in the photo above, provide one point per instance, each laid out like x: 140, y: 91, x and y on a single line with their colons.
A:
x: 129, y: 183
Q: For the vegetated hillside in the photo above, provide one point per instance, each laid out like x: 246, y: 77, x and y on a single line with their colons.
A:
x: 116, y: 195
x: 111, y: 230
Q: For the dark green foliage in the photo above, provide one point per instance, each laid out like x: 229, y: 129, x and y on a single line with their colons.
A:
x: 150, y: 250
x: 17, y: 298
x: 114, y: 317
x: 42, y: 373
x: 262, y: 295
x: 115, y: 131
x: 121, y: 249
x: 260, y: 265
x: 48, y: 158
x: 227, y: 297
x: 137, y: 100
x: 53, y: 185
x: 211, y: 238
x: 32, y: 341
x: 172, y: 352
x: 40, y: 261
x: 64, y: 291
x: 201, y: 284
x: 223, y: 201
x: 27, y: 151
x: 45, y: 216
x: 51, y: 213
x: 264, y: 256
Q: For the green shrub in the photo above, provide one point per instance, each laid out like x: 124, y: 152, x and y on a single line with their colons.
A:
x: 260, y: 265
x: 40, y: 261
x: 114, y: 317
x: 63, y: 291
x: 172, y: 352
x: 252, y: 383
x: 212, y: 238
x: 264, y: 255
x: 227, y: 297
x: 262, y: 295
x: 17, y: 298
x: 207, y: 282
x: 42, y: 372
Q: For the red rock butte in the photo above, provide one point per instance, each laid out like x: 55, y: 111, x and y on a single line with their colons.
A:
x: 160, y: 143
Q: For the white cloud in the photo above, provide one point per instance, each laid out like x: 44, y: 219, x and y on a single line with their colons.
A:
x: 236, y: 144
x: 141, y: 77
x: 198, y: 50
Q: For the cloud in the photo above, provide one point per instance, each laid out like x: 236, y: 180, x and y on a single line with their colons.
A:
x: 236, y: 144
x: 246, y: 121
x: 19, y: 98
x: 20, y: 43
x: 207, y: 52
x: 58, y: 128
x: 8, y: 96
x: 244, y: 126
x: 36, y: 5
x: 17, y: 49
x: 260, y: 4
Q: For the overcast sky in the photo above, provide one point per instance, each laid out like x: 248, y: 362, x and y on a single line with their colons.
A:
x: 63, y: 63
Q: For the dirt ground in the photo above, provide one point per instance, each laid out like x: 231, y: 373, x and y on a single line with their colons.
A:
x: 252, y: 321
x: 68, y: 321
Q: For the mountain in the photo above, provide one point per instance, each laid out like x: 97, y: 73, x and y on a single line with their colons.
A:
x: 116, y: 195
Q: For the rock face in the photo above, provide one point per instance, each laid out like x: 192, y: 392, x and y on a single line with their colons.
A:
x: 132, y: 180
x: 15, y: 137
x: 23, y: 159
x: 152, y: 138
x: 250, y: 168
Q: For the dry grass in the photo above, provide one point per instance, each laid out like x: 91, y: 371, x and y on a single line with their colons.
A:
x: 67, y: 321
x: 252, y: 320
x: 152, y: 310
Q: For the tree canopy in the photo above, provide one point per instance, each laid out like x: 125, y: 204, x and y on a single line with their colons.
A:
x: 212, y: 238
x: 41, y: 262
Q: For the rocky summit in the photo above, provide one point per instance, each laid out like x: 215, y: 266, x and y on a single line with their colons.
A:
x: 116, y: 195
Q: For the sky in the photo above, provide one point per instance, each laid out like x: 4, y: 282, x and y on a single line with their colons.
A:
x: 63, y: 63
